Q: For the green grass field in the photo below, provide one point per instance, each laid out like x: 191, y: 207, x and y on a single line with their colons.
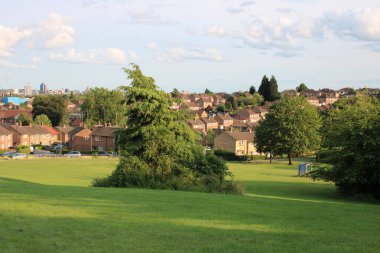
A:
x: 47, y: 206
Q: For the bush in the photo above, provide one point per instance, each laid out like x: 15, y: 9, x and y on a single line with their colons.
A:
x: 228, y: 156
x: 23, y: 149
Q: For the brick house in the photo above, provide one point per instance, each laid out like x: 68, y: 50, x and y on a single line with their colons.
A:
x: 104, y: 138
x: 6, y: 138
x: 313, y: 100
x: 197, y: 124
x: 210, y: 123
x: 82, y: 140
x: 239, y: 143
x: 224, y: 121
x: 11, y: 116
x: 65, y: 133
x: 30, y: 135
x: 249, y: 115
x: 53, y: 134
x: 190, y: 106
x: 204, y: 102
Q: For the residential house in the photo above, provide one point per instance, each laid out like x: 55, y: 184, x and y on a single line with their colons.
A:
x: 67, y: 132
x: 204, y: 102
x: 224, y: 120
x: 197, y: 124
x: 239, y: 126
x: 11, y: 117
x: 327, y: 99
x: 239, y: 143
x: 190, y: 106
x: 6, y: 138
x: 218, y: 100
x: 82, y: 140
x: 313, y: 100
x: 200, y: 114
x: 54, y: 134
x: 210, y: 123
x: 30, y: 135
x: 104, y: 138
x: 249, y: 115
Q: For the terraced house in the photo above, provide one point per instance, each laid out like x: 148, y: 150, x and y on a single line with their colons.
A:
x: 30, y: 135
x: 6, y: 138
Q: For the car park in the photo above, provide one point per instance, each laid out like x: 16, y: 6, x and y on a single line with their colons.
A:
x: 73, y: 154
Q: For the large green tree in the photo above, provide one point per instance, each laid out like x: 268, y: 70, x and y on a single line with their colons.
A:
x: 264, y: 138
x: 293, y: 125
x: 352, y: 138
x: 252, y: 90
x: 103, y: 106
x: 24, y: 119
x: 42, y: 120
x: 159, y: 150
x: 302, y: 87
x: 53, y: 106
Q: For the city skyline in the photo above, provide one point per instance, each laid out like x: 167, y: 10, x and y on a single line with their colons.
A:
x: 219, y: 45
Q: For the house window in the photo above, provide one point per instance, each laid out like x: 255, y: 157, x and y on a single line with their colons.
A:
x: 241, y: 142
x: 97, y: 138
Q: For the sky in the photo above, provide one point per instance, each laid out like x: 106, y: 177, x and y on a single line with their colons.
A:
x: 222, y: 45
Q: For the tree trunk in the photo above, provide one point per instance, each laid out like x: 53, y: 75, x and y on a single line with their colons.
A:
x: 270, y: 157
x: 290, y: 159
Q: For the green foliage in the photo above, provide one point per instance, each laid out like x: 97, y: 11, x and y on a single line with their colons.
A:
x: 252, y: 90
x: 351, y: 136
x: 207, y: 91
x: 103, y: 106
x: 53, y: 106
x: 25, y: 119
x: 175, y: 93
x: 228, y: 156
x: 42, y: 120
x: 291, y: 126
x: 23, y: 149
x: 221, y: 108
x: 159, y: 150
x: 269, y: 89
x: 254, y: 100
x: 231, y: 103
x: 302, y: 87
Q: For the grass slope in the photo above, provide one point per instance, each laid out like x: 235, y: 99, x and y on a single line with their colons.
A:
x: 47, y: 206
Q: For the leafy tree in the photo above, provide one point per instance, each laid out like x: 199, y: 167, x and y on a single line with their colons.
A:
x: 269, y: 89
x: 175, y: 93
x: 254, y: 100
x: 42, y: 120
x: 53, y: 106
x: 351, y: 136
x: 221, y: 108
x: 302, y: 87
x: 252, y: 90
x: 159, y: 150
x: 24, y: 119
x: 264, y: 138
x: 103, y: 106
x: 231, y: 103
x: 293, y: 125
x: 207, y: 91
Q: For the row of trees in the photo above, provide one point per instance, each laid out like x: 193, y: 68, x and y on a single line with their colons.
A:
x: 346, y: 137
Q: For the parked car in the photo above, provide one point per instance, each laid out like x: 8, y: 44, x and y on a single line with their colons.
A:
x: 106, y: 153
x: 18, y: 156
x: 73, y: 154
x: 6, y: 154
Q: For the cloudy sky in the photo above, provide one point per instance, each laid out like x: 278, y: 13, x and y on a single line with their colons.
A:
x: 224, y: 45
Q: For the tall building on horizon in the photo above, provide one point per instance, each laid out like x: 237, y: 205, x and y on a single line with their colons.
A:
x: 43, y: 88
x: 28, y: 90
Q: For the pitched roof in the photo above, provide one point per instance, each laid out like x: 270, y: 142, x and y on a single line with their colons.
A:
x: 209, y: 120
x: 13, y: 113
x: 31, y: 130
x: 4, y: 131
x: 69, y: 129
x: 241, y: 136
x: 224, y: 117
x: 83, y: 133
x: 196, y: 122
x: 105, y: 131
x: 52, y: 130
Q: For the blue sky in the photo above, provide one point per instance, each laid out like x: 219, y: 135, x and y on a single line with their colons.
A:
x: 224, y: 45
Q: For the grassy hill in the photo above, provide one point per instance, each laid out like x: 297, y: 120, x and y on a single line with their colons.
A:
x: 47, y: 206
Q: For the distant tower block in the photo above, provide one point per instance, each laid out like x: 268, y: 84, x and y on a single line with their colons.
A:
x: 43, y: 88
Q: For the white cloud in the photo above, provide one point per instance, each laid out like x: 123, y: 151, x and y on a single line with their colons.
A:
x: 91, y: 56
x: 181, y: 54
x: 360, y: 24
x: 242, y: 7
x: 8, y: 64
x: 151, y: 45
x: 217, y: 31
x: 149, y: 17
x: 57, y: 31
x: 9, y: 37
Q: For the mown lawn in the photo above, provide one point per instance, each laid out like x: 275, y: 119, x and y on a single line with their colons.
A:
x: 47, y: 206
